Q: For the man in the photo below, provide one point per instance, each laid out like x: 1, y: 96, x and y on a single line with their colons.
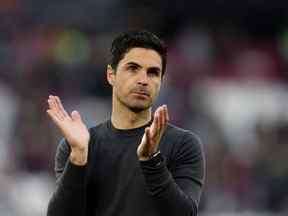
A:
x: 133, y: 164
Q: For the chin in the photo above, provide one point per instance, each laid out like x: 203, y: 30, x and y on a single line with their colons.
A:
x: 139, y: 107
x: 135, y: 105
x: 136, y: 109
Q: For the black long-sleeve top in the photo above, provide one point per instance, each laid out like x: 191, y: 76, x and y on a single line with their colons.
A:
x: 115, y: 183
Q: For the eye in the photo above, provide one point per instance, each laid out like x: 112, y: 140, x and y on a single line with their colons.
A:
x: 153, y: 72
x: 132, y: 68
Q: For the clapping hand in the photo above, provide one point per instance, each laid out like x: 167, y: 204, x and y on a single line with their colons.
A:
x: 72, y: 128
x: 153, y: 134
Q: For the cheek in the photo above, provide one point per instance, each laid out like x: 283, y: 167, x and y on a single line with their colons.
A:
x: 156, y: 88
x: 121, y: 87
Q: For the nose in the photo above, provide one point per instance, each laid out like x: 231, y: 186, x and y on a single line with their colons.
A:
x: 143, y: 78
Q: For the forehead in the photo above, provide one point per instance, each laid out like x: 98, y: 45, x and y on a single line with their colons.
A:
x: 142, y: 56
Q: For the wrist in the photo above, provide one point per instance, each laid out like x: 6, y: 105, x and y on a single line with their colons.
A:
x: 154, y: 160
x: 79, y: 156
x: 148, y: 157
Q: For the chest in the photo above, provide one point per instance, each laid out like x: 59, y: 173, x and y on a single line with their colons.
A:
x: 115, y: 173
x: 114, y: 161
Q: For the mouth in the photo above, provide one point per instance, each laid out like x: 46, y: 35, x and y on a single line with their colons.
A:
x: 141, y: 94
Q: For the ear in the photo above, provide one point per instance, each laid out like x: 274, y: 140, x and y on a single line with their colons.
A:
x: 110, y: 74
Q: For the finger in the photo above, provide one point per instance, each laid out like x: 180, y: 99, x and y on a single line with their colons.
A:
x: 159, y: 125
x: 51, y: 105
x: 53, y: 108
x: 58, y: 108
x: 53, y: 116
x: 61, y: 108
x: 150, y: 144
x: 53, y: 102
x: 76, y: 116
x: 147, y: 133
x: 153, y: 125
x: 155, y: 128
x: 167, y: 113
x: 148, y: 141
x: 163, y: 119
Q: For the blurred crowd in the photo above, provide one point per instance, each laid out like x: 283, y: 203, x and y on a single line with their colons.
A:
x: 226, y: 83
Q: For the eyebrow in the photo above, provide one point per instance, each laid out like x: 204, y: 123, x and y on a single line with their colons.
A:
x: 133, y: 64
x: 136, y: 64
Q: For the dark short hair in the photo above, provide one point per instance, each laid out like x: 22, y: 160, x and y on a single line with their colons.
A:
x: 136, y: 39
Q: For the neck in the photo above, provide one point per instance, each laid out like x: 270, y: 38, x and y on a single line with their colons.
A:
x: 124, y: 118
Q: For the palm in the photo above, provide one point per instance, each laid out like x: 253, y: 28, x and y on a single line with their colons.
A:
x: 72, y: 127
x: 75, y: 132
x: 153, y: 134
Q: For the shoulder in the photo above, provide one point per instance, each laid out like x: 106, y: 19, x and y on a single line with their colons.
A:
x: 186, y: 151
x: 99, y: 129
x: 182, y: 135
x: 182, y: 141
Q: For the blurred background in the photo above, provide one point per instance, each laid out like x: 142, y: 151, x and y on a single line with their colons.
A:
x: 226, y: 80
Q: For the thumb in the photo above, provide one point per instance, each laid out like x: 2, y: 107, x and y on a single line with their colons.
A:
x: 147, y: 133
x: 76, y: 116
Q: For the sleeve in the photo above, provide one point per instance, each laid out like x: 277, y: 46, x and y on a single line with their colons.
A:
x: 177, y: 190
x: 69, y: 196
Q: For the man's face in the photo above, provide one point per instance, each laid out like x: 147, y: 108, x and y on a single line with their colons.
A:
x: 137, y: 81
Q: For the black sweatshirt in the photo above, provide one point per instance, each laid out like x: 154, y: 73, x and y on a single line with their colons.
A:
x: 115, y: 183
